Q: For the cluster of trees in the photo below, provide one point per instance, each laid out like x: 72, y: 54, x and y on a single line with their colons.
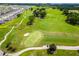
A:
x: 65, y: 11
x: 52, y: 49
x: 10, y: 48
x: 18, y: 15
x: 31, y: 9
x: 73, y: 18
x: 31, y: 20
x: 39, y: 12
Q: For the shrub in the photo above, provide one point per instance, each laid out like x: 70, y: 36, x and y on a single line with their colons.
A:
x: 31, y: 20
x: 42, y: 14
x: 52, y: 49
x: 71, y: 21
x: 65, y: 12
x: 73, y: 18
x: 18, y: 15
x: 36, y: 13
x: 31, y: 8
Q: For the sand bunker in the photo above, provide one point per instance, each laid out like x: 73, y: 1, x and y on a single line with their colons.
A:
x: 26, y: 34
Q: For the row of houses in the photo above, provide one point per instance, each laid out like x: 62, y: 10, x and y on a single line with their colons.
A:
x: 5, y: 9
x: 73, y: 11
x: 10, y: 15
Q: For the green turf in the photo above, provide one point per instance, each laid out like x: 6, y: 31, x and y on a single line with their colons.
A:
x: 57, y: 53
x: 32, y: 39
x: 53, y: 27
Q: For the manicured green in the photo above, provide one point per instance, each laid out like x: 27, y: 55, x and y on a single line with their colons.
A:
x: 53, y: 27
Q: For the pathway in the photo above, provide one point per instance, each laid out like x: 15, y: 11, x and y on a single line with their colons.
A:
x: 44, y: 48
x: 7, y: 34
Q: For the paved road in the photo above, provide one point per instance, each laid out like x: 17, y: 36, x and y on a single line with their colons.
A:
x: 68, y: 47
x: 28, y: 49
x: 44, y: 48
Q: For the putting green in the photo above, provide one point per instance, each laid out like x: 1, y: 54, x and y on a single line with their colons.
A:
x: 32, y: 39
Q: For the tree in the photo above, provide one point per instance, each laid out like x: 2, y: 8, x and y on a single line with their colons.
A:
x: 31, y: 8
x: 71, y: 21
x: 4, y: 53
x: 31, y: 20
x: 73, y: 18
x: 78, y: 51
x: 9, y: 48
x: 42, y: 13
x: 65, y: 12
x: 52, y: 49
x: 13, y: 50
x: 36, y: 13
x: 18, y: 15
x: 8, y: 45
x: 42, y: 9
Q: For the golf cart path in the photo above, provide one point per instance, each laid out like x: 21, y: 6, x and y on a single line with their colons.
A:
x: 7, y: 34
x: 68, y: 47
x: 44, y: 48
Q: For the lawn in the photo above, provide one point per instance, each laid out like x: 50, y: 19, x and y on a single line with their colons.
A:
x: 57, y: 53
x: 53, y: 28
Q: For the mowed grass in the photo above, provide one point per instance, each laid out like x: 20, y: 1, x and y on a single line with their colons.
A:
x: 3, y: 31
x: 57, y: 53
x: 16, y: 35
x: 65, y: 34
x: 33, y: 39
x: 4, y: 28
x: 9, y: 25
x: 55, y: 22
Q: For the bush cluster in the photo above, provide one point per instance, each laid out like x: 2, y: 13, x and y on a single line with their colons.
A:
x: 31, y: 20
x: 39, y: 12
x: 52, y: 49
x: 73, y: 18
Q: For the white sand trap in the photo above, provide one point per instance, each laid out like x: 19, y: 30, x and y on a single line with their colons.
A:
x: 26, y: 34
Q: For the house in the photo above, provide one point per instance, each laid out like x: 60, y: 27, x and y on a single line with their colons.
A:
x: 73, y: 11
x: 1, y: 21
